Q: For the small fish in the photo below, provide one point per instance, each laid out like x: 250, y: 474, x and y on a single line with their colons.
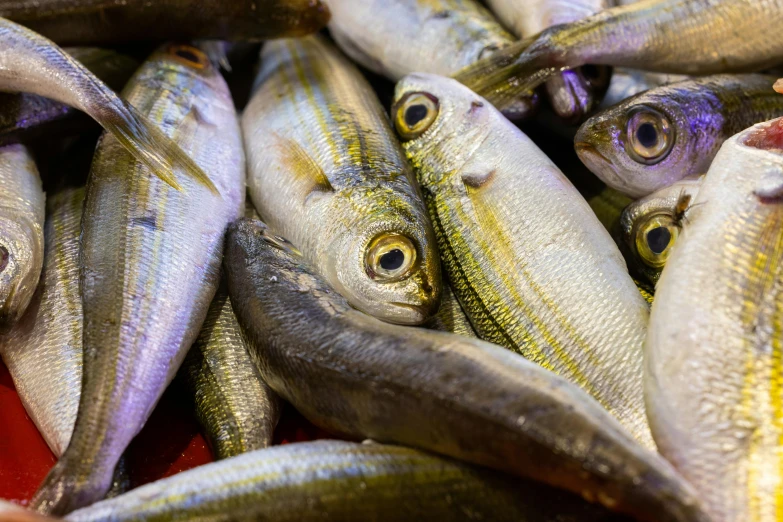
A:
x: 350, y: 373
x: 32, y: 64
x: 398, y: 37
x: 450, y: 316
x: 22, y: 212
x: 343, y: 481
x: 43, y: 350
x: 101, y: 22
x: 650, y: 226
x: 326, y: 171
x: 237, y: 409
x: 533, y: 268
x: 150, y: 266
x: 669, y: 36
x: 668, y: 133
x: 714, y: 356
x: 572, y: 93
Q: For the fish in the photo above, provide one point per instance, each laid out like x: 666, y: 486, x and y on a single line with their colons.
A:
x: 450, y: 316
x: 24, y: 114
x: 572, y: 93
x: 346, y: 481
x: 326, y: 171
x: 531, y: 265
x: 22, y: 213
x: 150, y: 266
x: 464, y: 398
x: 102, y: 22
x: 608, y: 206
x: 32, y: 64
x: 43, y: 350
x: 650, y: 226
x: 394, y: 38
x: 234, y: 405
x: 627, y: 82
x: 712, y: 380
x: 663, y: 135
x: 693, y: 37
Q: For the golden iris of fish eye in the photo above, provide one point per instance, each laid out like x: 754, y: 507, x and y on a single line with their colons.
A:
x: 385, y: 245
x: 648, y: 153
x: 410, y: 125
x: 648, y: 256
x: 189, y: 56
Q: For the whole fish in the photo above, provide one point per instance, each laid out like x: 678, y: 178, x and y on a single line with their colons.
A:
x: 398, y: 37
x: 237, y: 409
x: 150, y: 263
x: 22, y: 209
x: 630, y: 82
x: 670, y: 36
x: 533, y: 268
x: 572, y: 93
x: 346, y: 481
x: 326, y: 171
x: 713, y: 381
x: 43, y: 350
x: 650, y: 226
x: 350, y: 373
x: 668, y: 133
x: 100, y: 22
x: 23, y: 114
x: 32, y: 64
x: 450, y: 316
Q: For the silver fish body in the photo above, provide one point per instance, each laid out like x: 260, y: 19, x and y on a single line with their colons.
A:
x: 150, y: 264
x: 22, y: 209
x: 326, y: 171
x: 714, y: 370
x: 43, y: 350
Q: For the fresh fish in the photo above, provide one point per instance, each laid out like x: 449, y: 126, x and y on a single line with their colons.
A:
x: 150, y: 263
x: 630, y: 82
x: 22, y: 114
x: 450, y: 316
x: 572, y: 93
x: 398, y: 37
x: 326, y: 171
x: 650, y: 226
x: 350, y: 373
x: 661, y: 136
x: 533, y: 268
x: 237, y: 409
x: 32, y: 64
x: 345, y: 481
x: 43, y: 350
x: 22, y: 210
x: 713, y: 381
x: 100, y: 22
x: 669, y: 36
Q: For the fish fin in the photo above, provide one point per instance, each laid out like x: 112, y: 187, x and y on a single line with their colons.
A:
x: 310, y: 176
x: 216, y: 51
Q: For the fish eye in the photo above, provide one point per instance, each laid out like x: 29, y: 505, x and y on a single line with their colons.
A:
x: 414, y: 114
x: 650, y: 136
x: 3, y: 258
x: 655, y: 238
x: 189, y: 56
x: 390, y: 257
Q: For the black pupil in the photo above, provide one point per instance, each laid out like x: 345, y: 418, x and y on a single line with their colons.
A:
x: 414, y: 114
x: 3, y: 258
x: 591, y: 72
x: 187, y: 55
x: 647, y: 135
x: 392, y: 260
x: 658, y: 239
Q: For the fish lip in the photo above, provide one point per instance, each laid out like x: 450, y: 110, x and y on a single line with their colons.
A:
x: 583, y: 146
x: 607, y: 174
x: 421, y: 311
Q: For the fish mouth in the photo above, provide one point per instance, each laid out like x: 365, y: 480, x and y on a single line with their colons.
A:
x: 582, y: 147
x: 420, y: 313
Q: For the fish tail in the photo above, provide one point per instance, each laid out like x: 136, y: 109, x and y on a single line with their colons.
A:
x: 62, y: 491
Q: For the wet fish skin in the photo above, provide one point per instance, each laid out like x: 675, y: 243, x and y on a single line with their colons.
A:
x: 713, y: 368
x: 234, y: 405
x: 101, y: 22
x: 450, y: 316
x: 32, y: 64
x: 671, y: 36
x: 533, y: 268
x: 689, y: 121
x: 22, y: 209
x: 150, y: 264
x: 336, y: 183
x: 43, y: 350
x: 350, y: 373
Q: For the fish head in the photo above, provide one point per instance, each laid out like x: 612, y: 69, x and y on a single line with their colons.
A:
x: 20, y: 267
x: 638, y: 146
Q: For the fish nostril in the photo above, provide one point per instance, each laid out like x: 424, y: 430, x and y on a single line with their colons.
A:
x: 3, y: 258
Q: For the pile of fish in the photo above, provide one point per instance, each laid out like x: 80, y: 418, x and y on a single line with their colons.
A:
x: 378, y: 238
